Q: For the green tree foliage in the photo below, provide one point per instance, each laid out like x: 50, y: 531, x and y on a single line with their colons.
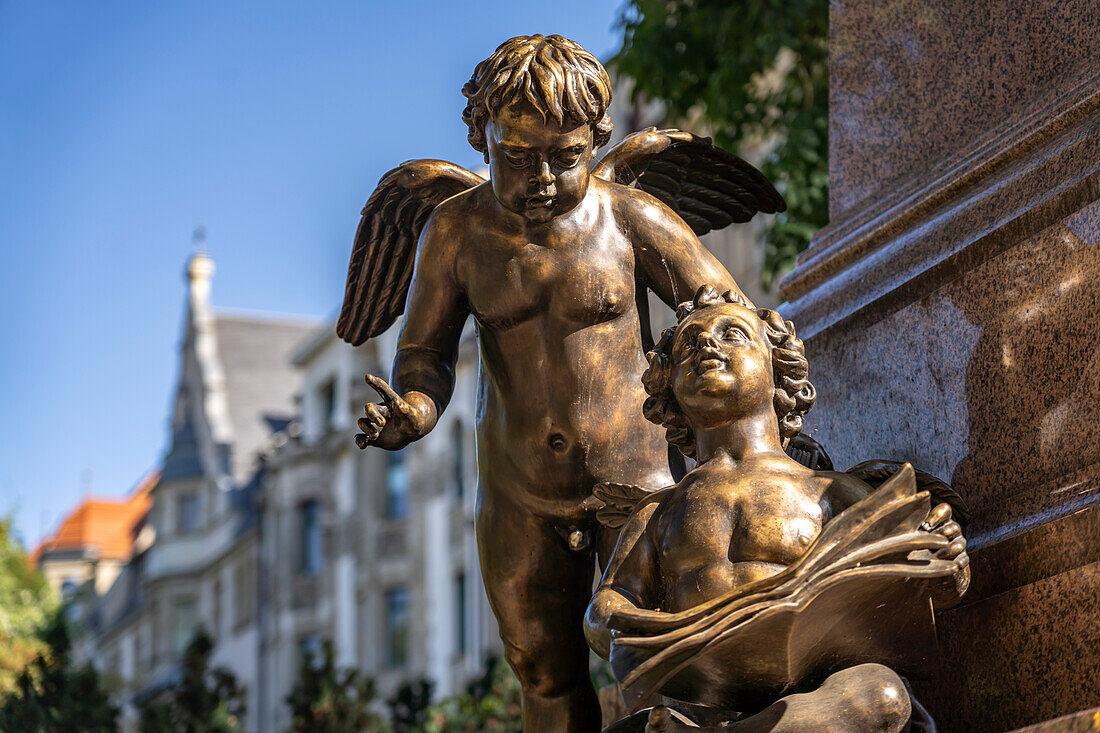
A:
x: 205, y: 700
x: 409, y: 707
x: 51, y: 696
x: 325, y: 700
x: 491, y: 703
x: 752, y: 69
x: 27, y: 603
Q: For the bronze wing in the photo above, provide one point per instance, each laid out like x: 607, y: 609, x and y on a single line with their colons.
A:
x: 710, y: 188
x: 385, y: 244
x: 617, y: 502
x: 876, y: 471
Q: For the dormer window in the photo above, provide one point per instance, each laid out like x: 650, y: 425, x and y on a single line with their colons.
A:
x: 187, y: 516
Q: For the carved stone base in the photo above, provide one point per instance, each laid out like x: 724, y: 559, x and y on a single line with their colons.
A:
x: 1082, y: 722
x: 950, y: 312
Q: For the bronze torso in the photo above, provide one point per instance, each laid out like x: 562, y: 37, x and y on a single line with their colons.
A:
x: 727, y: 528
x: 553, y: 309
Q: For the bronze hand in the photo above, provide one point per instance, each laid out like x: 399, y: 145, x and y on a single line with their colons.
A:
x: 394, y: 423
x: 940, y: 522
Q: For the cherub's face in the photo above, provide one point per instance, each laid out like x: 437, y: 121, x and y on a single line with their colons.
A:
x: 721, y: 365
x: 538, y: 170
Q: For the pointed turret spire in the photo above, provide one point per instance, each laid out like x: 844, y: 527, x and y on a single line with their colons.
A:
x: 202, y: 338
x: 200, y: 270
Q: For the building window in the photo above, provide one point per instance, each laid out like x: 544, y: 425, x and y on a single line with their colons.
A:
x: 327, y: 402
x: 69, y: 586
x: 244, y: 593
x: 460, y: 615
x: 309, y: 537
x: 309, y: 646
x: 187, y: 518
x: 217, y: 623
x: 397, y: 627
x: 459, y: 458
x: 397, y: 485
x: 184, y: 624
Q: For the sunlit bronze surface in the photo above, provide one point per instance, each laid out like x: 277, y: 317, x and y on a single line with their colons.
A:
x: 551, y: 261
x: 755, y: 575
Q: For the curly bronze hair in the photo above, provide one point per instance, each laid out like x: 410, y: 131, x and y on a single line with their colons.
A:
x: 794, y: 394
x: 555, y: 75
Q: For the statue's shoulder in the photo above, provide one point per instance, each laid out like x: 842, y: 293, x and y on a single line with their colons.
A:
x: 455, y: 220
x: 458, y: 208
x: 840, y: 490
x: 632, y: 201
x: 641, y: 212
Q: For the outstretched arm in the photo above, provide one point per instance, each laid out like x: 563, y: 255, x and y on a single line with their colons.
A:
x: 670, y: 259
x: 423, y: 369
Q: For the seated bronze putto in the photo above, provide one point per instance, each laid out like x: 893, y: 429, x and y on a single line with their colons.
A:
x: 749, y: 578
x: 756, y: 592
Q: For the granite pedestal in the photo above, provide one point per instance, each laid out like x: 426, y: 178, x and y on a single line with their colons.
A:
x: 951, y: 311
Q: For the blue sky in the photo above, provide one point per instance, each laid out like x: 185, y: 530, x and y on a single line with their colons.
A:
x: 125, y: 125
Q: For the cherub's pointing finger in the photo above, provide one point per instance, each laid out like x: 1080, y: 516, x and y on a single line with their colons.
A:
x: 384, y: 390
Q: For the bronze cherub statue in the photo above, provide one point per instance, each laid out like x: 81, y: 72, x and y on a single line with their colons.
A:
x: 553, y: 258
x: 757, y: 593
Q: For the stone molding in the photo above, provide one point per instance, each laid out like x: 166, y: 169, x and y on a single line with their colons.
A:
x: 1024, y: 175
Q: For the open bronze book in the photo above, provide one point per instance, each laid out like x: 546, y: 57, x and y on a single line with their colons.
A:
x: 861, y: 593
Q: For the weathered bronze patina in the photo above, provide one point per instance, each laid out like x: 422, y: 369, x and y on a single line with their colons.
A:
x: 756, y: 577
x: 552, y: 258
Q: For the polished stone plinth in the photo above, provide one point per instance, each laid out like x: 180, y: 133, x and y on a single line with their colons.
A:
x: 951, y: 311
x: 1084, y: 721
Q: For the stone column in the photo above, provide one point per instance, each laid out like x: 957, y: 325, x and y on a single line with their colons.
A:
x: 951, y: 311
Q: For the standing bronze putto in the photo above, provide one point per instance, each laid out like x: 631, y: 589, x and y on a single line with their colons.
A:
x: 553, y: 257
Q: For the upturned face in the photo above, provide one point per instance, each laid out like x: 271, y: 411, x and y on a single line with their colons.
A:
x: 721, y: 365
x: 538, y: 169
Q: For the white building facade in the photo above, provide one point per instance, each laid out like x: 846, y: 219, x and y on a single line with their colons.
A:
x: 274, y: 532
x: 371, y: 549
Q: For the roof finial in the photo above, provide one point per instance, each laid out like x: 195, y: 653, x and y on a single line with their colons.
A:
x: 198, y: 239
x: 200, y: 268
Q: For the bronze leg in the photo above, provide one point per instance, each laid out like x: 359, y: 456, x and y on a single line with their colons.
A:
x: 863, y: 699
x: 539, y: 590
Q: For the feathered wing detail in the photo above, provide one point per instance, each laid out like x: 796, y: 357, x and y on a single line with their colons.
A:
x: 708, y: 187
x: 809, y: 453
x: 618, y: 500
x: 877, y: 471
x: 385, y: 244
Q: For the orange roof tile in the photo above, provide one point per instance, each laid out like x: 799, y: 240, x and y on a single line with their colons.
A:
x: 102, y: 524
